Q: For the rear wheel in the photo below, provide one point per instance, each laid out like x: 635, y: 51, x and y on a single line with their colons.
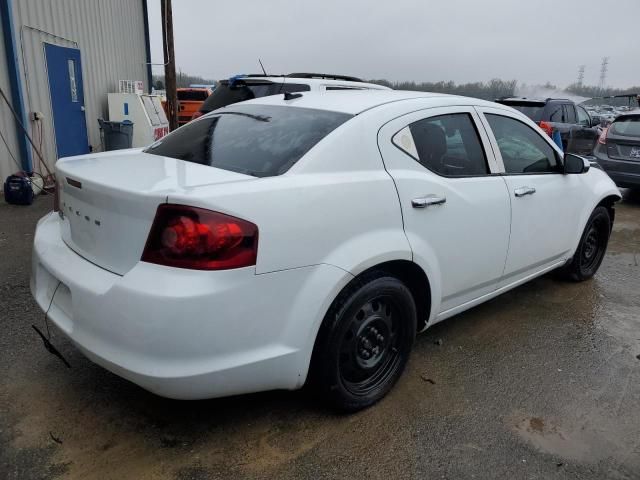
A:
x: 592, y: 247
x: 364, y: 342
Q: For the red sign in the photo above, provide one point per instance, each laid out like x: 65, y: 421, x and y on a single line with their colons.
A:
x: 160, y: 132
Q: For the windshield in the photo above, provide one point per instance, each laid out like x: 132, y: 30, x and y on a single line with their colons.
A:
x: 243, y: 90
x: 257, y: 140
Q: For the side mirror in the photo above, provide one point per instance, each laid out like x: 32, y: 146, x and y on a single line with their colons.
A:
x: 595, y: 121
x: 574, y: 164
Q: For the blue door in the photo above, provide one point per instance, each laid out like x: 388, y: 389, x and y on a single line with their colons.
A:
x: 67, y: 99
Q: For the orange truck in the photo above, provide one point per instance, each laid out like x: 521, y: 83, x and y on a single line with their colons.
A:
x: 189, y: 102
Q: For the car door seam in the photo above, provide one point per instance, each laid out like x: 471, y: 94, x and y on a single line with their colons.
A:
x: 506, y: 257
x: 395, y: 186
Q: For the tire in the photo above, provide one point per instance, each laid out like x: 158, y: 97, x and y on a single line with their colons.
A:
x: 364, y: 342
x: 592, y: 247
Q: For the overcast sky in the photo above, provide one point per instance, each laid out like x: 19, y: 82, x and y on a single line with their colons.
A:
x: 422, y: 40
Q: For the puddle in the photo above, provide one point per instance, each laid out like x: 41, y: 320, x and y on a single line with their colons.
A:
x: 551, y: 438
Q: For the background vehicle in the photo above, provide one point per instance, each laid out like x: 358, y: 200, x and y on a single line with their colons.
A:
x: 618, y: 150
x: 190, y: 101
x: 578, y: 129
x: 310, y: 237
x: 247, y: 87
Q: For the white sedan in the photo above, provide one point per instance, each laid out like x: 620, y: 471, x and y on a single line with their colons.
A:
x: 307, y: 238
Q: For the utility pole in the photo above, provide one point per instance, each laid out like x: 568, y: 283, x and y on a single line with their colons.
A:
x: 169, y: 64
x: 603, y: 72
x: 581, y: 75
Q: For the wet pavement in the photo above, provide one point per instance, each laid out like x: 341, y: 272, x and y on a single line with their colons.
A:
x: 542, y: 382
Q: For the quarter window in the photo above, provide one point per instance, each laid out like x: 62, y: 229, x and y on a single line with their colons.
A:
x: 448, y: 145
x: 523, y: 150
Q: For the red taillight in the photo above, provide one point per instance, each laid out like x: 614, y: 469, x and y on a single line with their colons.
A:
x: 199, y: 239
x: 603, y: 136
x: 547, y: 128
x: 198, y: 114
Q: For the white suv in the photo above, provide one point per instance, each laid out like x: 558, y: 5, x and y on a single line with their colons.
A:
x: 286, y: 239
x: 248, y: 87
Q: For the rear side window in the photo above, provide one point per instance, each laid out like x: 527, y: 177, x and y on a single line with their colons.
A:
x: 523, y: 150
x: 257, y: 140
x: 447, y: 145
x: 628, y: 127
x: 242, y: 90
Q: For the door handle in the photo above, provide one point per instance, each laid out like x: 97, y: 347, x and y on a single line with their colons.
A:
x: 424, y: 202
x: 522, y: 191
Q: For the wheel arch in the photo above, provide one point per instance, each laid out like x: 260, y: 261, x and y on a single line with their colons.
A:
x: 608, y: 202
x: 413, y: 276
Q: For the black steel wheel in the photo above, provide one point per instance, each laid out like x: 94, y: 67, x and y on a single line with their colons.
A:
x: 592, y: 246
x: 364, y: 342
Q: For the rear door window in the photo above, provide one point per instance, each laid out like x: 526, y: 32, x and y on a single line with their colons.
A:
x: 557, y: 114
x: 448, y: 145
x: 257, y: 140
x: 570, y: 113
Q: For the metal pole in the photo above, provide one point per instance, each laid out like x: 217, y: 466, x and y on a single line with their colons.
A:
x: 170, y: 65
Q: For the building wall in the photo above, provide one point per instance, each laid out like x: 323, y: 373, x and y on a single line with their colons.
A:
x: 110, y: 36
x: 7, y: 125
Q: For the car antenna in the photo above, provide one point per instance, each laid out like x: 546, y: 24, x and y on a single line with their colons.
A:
x: 262, y: 66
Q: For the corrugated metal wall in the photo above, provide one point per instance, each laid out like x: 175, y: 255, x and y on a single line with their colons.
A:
x: 110, y: 36
x: 7, y: 128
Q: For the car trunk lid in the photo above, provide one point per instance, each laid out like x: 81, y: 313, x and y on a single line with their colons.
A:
x: 109, y: 201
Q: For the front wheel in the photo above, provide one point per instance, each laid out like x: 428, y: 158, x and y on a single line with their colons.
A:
x: 592, y: 247
x: 364, y: 342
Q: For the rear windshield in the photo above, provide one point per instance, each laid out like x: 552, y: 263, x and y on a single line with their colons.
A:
x: 198, y: 95
x: 257, y: 140
x: 246, y: 90
x: 627, y: 126
x: 531, y: 110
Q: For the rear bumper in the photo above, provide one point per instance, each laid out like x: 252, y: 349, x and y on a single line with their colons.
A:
x: 625, y: 174
x: 181, y: 333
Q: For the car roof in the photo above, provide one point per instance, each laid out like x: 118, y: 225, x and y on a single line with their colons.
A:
x: 357, y: 101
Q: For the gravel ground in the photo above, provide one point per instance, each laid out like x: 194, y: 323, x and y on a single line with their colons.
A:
x: 542, y: 382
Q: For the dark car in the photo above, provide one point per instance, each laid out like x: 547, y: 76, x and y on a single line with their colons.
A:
x: 247, y: 87
x: 618, y: 150
x: 578, y: 130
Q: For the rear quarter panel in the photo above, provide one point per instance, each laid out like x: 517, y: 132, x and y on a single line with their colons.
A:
x: 336, y: 206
